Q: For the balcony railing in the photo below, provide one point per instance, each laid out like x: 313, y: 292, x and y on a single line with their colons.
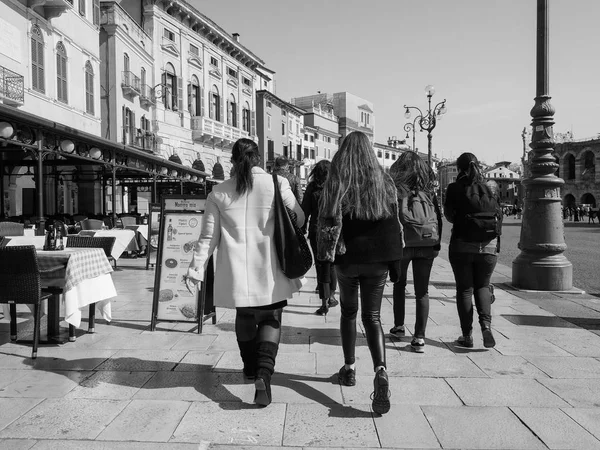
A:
x: 11, y: 87
x: 147, y: 95
x: 130, y: 83
x: 49, y: 9
x: 205, y: 129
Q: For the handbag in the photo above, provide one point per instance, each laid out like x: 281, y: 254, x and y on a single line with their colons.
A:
x: 292, y: 248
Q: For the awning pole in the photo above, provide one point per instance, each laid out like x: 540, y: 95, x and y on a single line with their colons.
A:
x: 40, y: 185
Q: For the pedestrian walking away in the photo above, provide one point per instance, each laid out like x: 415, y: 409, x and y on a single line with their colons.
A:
x: 359, y: 232
x: 473, y: 208
x: 310, y: 206
x: 421, y: 218
x: 282, y: 166
x: 239, y: 223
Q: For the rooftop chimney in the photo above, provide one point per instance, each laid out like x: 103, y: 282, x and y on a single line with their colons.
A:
x: 236, y: 37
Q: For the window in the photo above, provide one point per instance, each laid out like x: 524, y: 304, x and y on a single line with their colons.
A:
x: 379, y: 153
x: 232, y: 111
x: 297, y: 128
x: 61, y: 73
x: 194, y: 50
x: 37, y: 60
x: 306, y: 152
x: 393, y: 156
x: 96, y: 17
x: 312, y: 154
x: 168, y: 34
x: 126, y: 62
x: 269, y: 104
x: 214, y: 62
x: 89, y: 88
x: 283, y: 128
x: 247, y: 81
x: 246, y: 117
x: 305, y: 137
x: 82, y: 7
x: 172, y: 89
x: 312, y: 139
x: 265, y: 83
x: 194, y: 97
x: 283, y: 113
x: 269, y: 122
x: 232, y: 72
x: 215, y: 104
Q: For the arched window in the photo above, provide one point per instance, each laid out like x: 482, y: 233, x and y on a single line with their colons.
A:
x: 61, y: 73
x: 170, y: 87
x: 215, y: 104
x: 570, y: 167
x: 246, y: 117
x: 194, y: 97
x: 89, y: 88
x: 589, y: 160
x: 37, y: 60
x: 232, y: 111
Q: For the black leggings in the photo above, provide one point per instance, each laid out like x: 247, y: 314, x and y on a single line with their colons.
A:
x: 371, y: 279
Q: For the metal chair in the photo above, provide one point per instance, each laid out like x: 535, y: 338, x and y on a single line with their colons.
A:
x: 12, y: 229
x: 20, y: 281
x: 91, y: 224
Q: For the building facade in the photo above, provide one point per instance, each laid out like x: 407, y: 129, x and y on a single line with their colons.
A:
x: 353, y: 113
x: 508, y: 181
x: 50, y: 66
x: 579, y: 163
x: 387, y: 154
x: 280, y: 131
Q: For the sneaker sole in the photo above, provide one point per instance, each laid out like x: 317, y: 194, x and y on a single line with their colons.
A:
x: 488, y: 339
x: 343, y: 381
x: 381, y: 399
x: 261, y: 398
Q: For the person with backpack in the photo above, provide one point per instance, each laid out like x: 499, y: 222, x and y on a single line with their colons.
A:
x: 420, y: 215
x: 473, y: 208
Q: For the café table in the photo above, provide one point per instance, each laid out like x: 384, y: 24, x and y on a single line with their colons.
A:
x: 141, y: 233
x: 85, y: 278
x: 125, y: 241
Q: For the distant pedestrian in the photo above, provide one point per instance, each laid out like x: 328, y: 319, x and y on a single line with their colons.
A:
x: 576, y: 214
x: 421, y: 218
x: 472, y: 206
x: 282, y: 165
x: 310, y: 206
x: 360, y: 233
x: 238, y: 223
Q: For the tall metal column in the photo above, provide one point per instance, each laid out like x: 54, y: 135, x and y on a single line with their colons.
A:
x: 542, y: 264
x: 40, y: 184
x: 114, y: 193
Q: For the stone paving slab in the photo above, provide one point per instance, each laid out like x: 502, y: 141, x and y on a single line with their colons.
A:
x: 41, y: 384
x: 567, y: 367
x: 588, y: 418
x: 556, y: 429
x: 579, y: 392
x: 480, y: 428
x: 116, y: 385
x: 405, y: 426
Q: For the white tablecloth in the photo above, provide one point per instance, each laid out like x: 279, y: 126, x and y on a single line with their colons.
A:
x: 38, y: 241
x: 97, y: 290
x: 124, y: 238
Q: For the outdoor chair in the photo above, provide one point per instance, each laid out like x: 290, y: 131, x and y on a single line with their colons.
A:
x: 20, y: 281
x: 106, y: 243
x: 128, y: 220
x: 12, y: 229
x: 91, y: 224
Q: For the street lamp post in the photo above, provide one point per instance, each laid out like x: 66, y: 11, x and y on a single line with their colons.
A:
x: 427, y: 122
x: 408, y: 127
x: 541, y: 265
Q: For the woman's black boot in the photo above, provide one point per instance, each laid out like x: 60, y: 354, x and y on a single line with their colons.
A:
x: 248, y: 354
x: 266, y: 354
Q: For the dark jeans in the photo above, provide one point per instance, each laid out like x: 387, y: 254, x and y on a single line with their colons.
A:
x: 371, y: 279
x: 472, y: 273
x: 319, y: 268
x: 422, y: 261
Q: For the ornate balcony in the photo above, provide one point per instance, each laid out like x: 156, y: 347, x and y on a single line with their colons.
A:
x: 130, y: 83
x: 49, y: 9
x: 147, y: 97
x: 11, y: 87
x: 207, y: 130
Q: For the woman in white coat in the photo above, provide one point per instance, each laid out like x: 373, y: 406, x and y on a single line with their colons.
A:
x: 239, y: 224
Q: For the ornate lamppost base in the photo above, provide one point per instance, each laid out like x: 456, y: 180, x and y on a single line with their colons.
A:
x: 542, y: 272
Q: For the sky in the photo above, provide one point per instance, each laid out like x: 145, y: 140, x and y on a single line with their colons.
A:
x: 479, y: 54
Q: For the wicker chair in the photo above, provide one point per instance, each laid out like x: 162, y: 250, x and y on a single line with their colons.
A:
x: 128, y: 220
x: 12, y: 229
x: 4, y: 241
x: 106, y: 243
x: 20, y: 281
x: 91, y: 224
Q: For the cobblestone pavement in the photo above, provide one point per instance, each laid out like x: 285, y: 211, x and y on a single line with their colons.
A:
x: 126, y: 387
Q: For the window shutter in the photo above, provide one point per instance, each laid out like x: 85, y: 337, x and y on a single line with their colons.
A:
x: 34, y: 65
x: 40, y: 62
x: 253, y: 123
x: 59, y: 93
x: 164, y: 87
x: 82, y: 7
x: 180, y: 93
x: 202, y: 100
x: 189, y: 97
x: 124, y: 118
x: 96, y: 7
x: 222, y: 117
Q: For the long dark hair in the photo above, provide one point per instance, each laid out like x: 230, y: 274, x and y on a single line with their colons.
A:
x: 357, y: 184
x: 468, y: 166
x: 319, y: 173
x: 411, y: 173
x: 244, y: 157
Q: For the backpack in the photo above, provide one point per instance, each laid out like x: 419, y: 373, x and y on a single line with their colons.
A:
x: 482, y: 214
x: 419, y: 218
